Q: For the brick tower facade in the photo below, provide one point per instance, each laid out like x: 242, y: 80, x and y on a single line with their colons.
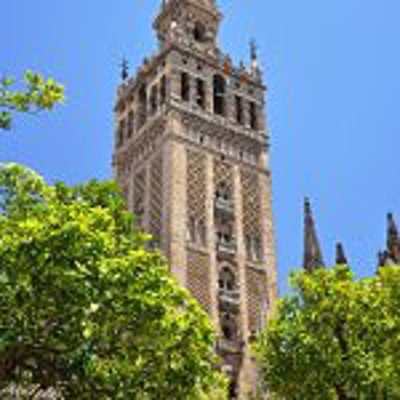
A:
x: 191, y: 155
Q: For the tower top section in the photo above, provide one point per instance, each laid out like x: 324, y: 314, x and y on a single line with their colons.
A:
x: 191, y: 23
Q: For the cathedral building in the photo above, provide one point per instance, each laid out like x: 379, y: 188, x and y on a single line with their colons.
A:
x: 313, y: 257
x: 192, y: 157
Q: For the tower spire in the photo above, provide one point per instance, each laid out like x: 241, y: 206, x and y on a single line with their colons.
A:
x: 393, y: 241
x: 313, y: 258
x: 341, y: 258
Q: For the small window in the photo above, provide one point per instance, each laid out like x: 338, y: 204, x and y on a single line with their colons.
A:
x: 253, y: 116
x: 154, y: 99
x: 228, y: 327
x: 142, y: 105
x: 227, y: 332
x: 201, y: 233
x: 185, y: 86
x: 258, y: 249
x: 130, y: 124
x: 163, y: 89
x: 239, y: 109
x: 192, y: 230
x: 196, y: 232
x: 201, y: 95
x: 227, y: 280
x: 222, y: 192
x: 199, y: 32
x: 219, y: 95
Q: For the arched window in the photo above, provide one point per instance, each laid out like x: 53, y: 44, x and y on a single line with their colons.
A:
x: 229, y: 327
x: 253, y: 116
x: 201, y: 233
x: 222, y: 192
x: 199, y: 32
x: 201, y: 93
x: 196, y: 232
x: 258, y: 253
x: 239, y: 109
x: 227, y: 280
x: 185, y: 86
x: 219, y: 95
x: 225, y: 232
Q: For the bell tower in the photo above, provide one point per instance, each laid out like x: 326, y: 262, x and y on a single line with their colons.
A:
x: 192, y: 157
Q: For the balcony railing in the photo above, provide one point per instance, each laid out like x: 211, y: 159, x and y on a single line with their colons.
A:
x: 224, y: 206
x: 227, y: 247
x: 229, y: 299
x: 229, y: 295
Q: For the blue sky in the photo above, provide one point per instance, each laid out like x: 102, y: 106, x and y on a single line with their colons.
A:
x: 332, y: 69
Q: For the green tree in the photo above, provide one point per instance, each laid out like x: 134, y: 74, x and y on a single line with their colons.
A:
x: 38, y: 94
x: 85, y: 309
x: 335, y: 338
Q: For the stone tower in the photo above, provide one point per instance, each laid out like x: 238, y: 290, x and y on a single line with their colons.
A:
x: 191, y: 155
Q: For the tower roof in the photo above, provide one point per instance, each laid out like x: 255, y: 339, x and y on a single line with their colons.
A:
x: 210, y: 4
x: 188, y: 22
x: 313, y: 258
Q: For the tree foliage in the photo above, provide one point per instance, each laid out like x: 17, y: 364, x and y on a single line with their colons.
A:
x: 336, y: 338
x: 37, y: 95
x: 85, y: 309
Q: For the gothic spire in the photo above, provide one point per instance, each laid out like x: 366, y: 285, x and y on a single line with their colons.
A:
x: 392, y: 232
x: 391, y: 256
x: 312, y: 251
x: 393, y: 240
x: 341, y: 258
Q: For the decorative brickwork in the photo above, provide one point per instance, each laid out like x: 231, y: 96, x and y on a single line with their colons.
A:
x: 251, y: 202
x: 198, y: 278
x: 257, y: 298
x: 139, y: 193
x: 156, y: 199
x: 223, y: 175
x: 196, y: 197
